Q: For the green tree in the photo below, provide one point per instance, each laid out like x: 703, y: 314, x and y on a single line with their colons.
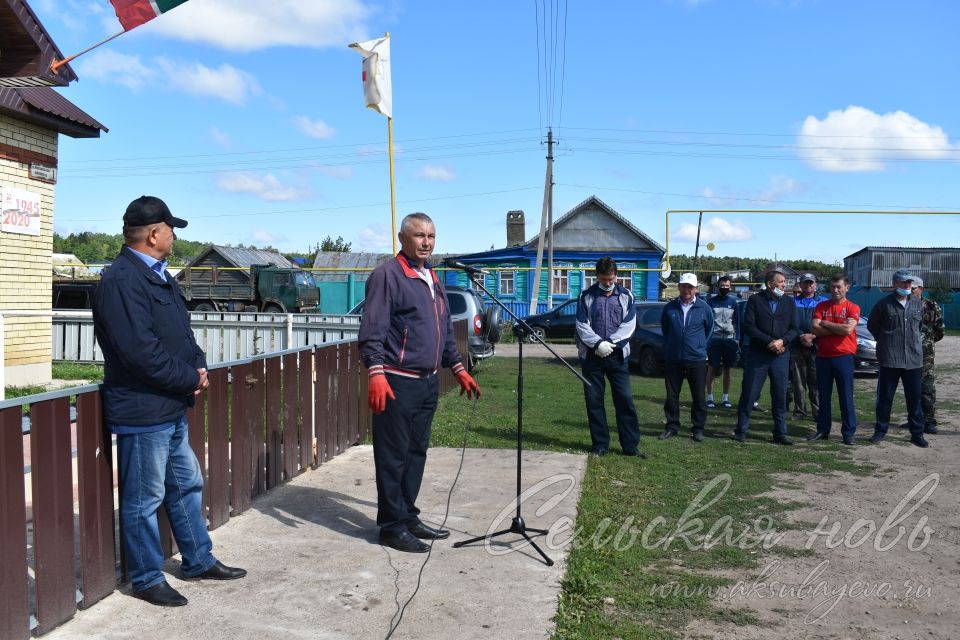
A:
x: 329, y: 244
x: 938, y: 288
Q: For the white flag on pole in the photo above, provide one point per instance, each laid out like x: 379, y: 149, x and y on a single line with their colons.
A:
x: 377, y: 91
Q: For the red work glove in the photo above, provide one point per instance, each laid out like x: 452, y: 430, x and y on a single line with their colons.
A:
x: 468, y: 384
x: 378, y: 390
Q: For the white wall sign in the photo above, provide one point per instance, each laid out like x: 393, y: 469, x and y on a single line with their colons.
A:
x: 43, y: 172
x: 19, y: 211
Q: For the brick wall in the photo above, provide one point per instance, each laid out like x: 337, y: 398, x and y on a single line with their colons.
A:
x: 25, y: 263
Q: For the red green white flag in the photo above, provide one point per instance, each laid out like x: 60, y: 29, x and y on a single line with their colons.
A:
x: 133, y: 13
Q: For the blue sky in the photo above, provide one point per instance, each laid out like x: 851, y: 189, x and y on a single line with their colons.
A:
x: 247, y: 117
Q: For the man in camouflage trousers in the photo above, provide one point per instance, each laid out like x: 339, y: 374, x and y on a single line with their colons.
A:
x: 931, y: 331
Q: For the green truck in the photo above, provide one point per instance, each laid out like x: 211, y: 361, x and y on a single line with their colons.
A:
x: 263, y: 288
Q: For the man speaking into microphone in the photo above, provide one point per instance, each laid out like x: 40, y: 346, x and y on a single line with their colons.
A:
x: 405, y: 337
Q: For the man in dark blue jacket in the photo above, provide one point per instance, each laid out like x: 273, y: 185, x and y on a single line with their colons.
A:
x: 687, y: 323
x: 770, y: 321
x: 406, y: 335
x: 153, y: 368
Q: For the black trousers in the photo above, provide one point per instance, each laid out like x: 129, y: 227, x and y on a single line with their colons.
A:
x: 695, y: 374
x: 401, y: 435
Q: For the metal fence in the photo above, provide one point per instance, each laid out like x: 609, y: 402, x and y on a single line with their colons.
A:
x: 263, y: 421
x: 224, y: 337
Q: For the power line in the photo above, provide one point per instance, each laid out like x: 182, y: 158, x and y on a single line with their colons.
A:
x: 536, y: 20
x: 563, y: 67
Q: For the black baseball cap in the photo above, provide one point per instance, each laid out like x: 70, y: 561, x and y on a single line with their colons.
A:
x: 808, y: 277
x: 150, y: 210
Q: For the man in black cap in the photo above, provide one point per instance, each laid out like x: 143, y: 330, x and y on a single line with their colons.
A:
x: 803, y: 352
x: 153, y: 369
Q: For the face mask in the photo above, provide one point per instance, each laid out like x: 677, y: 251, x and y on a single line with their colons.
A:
x: 606, y: 287
x: 777, y: 293
x: 723, y: 291
x: 904, y: 292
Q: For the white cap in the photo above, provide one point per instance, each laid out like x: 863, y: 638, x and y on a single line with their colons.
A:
x: 689, y: 278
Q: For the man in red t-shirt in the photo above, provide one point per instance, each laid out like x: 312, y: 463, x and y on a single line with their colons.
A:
x: 835, y: 325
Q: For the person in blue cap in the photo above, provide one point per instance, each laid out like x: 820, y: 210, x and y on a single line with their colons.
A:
x: 895, y: 324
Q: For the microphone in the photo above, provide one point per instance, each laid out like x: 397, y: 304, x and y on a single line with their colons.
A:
x: 456, y: 264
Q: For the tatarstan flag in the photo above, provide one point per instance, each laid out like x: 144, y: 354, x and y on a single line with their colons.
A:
x: 133, y: 13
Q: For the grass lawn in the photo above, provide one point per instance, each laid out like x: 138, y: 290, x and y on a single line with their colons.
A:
x: 613, y: 588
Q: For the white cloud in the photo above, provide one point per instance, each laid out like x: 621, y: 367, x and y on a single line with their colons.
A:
x: 857, y: 139
x: 225, y: 82
x: 775, y: 191
x: 341, y: 172
x: 714, y: 229
x: 109, y: 66
x: 374, y: 237
x: 314, y: 128
x: 437, y: 174
x: 265, y: 237
x: 250, y: 25
x: 266, y: 187
x: 220, y: 138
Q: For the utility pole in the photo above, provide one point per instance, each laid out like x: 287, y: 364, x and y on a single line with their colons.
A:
x: 546, y: 217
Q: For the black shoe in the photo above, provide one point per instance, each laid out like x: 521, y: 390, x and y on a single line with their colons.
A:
x: 919, y: 441
x: 424, y: 532
x: 636, y: 453
x: 930, y: 428
x: 599, y: 452
x: 403, y: 541
x: 905, y: 425
x: 162, y: 595
x: 757, y: 407
x: 799, y: 415
x: 848, y: 442
x: 219, y: 571
x: 784, y: 440
x: 876, y: 438
x: 818, y: 436
x: 698, y: 436
x: 739, y: 437
x: 667, y: 434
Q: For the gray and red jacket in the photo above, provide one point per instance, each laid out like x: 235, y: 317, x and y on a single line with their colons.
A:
x: 405, y: 331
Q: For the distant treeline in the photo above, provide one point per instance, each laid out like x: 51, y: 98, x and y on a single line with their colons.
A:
x: 99, y: 248
x: 727, y: 264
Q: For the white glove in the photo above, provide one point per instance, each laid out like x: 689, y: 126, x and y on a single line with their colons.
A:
x: 604, y: 348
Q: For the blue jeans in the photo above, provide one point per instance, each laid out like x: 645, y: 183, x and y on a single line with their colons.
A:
x: 839, y: 368
x: 887, y: 382
x: 160, y: 467
x: 758, y: 367
x: 614, y: 369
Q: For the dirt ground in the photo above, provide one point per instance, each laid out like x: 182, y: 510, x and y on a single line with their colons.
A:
x: 879, y: 553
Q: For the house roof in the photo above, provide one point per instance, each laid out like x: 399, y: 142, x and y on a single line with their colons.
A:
x: 351, y: 261
x: 242, y: 257
x: 27, y: 49
x: 594, y: 201
x: 45, y: 107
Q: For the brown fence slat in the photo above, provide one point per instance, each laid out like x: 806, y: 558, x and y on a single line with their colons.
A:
x: 353, y: 392
x: 321, y: 402
x: 218, y: 478
x: 366, y: 417
x: 196, y: 431
x: 340, y: 398
x: 243, y: 469
x: 305, y: 387
x: 291, y: 424
x: 52, y: 474
x: 274, y: 383
x: 256, y: 403
x: 14, y: 600
x: 95, y: 485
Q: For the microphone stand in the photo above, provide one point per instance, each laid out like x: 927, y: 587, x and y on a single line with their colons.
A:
x: 522, y: 330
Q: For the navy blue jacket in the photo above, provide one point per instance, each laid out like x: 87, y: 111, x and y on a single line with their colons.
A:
x: 763, y: 326
x: 150, y: 355
x: 686, y: 342
x: 405, y: 330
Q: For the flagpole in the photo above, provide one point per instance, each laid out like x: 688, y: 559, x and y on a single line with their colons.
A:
x: 56, y: 64
x: 393, y: 197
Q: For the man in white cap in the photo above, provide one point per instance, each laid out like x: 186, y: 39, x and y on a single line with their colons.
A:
x: 687, y: 324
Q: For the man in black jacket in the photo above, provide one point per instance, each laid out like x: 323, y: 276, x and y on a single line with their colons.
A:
x: 771, y: 322
x: 153, y: 368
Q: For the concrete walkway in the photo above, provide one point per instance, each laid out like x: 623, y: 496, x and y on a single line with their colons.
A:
x: 315, y: 570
